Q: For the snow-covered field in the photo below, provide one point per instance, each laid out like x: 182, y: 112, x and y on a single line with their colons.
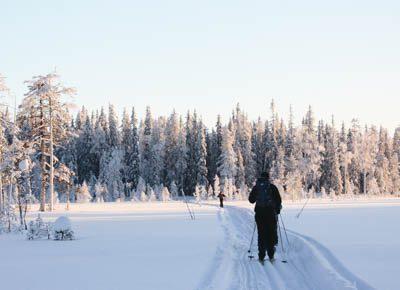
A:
x: 333, y: 245
x: 361, y: 236
x: 123, y: 246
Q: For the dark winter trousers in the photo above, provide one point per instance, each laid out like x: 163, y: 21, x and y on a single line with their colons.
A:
x: 221, y: 202
x: 266, y: 220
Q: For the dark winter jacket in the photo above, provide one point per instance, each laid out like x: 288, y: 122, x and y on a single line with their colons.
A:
x: 266, y: 196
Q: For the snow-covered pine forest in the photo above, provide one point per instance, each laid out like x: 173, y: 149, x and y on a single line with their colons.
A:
x: 48, y: 155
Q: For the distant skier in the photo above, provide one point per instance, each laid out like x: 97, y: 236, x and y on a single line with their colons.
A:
x: 268, y: 206
x: 221, y: 197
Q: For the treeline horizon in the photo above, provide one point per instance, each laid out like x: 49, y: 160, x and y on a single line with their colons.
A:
x: 131, y: 158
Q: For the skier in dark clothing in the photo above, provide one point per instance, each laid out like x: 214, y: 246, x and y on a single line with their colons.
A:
x: 268, y: 205
x: 221, y: 197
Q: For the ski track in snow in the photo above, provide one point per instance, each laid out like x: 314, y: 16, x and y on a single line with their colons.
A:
x: 310, y: 265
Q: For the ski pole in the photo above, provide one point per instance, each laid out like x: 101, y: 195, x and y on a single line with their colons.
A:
x: 187, y: 205
x: 284, y: 260
x: 301, y: 211
x: 251, y: 242
x: 284, y: 228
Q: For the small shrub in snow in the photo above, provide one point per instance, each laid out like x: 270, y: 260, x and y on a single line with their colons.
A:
x: 83, y: 194
x: 140, y: 193
x: 99, y: 192
x: 62, y: 229
x: 143, y: 196
x: 8, y: 220
x: 38, y: 229
x: 152, y: 195
x: 165, y: 195
x: 174, y: 190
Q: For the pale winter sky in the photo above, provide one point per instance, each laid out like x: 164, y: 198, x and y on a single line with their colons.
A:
x: 342, y: 57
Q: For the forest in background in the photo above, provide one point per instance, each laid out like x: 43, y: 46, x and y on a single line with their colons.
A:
x: 48, y: 155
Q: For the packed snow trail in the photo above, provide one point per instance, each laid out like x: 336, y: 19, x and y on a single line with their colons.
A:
x: 310, y: 266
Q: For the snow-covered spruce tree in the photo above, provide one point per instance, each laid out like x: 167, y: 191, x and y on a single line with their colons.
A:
x: 132, y: 161
x: 396, y: 142
x: 227, y: 162
x: 190, y: 178
x: 47, y: 114
x: 211, y: 160
x: 242, y: 145
x: 201, y: 156
x: 331, y: 177
x: 157, y: 148
x: 344, y: 160
x: 271, y: 139
x: 97, y: 145
x: 257, y: 146
x: 126, y: 145
x: 83, y: 194
x: 240, y: 170
x: 382, y: 166
x: 113, y: 136
x: 111, y: 174
x: 181, y: 164
x: 87, y: 148
x: 354, y: 143
x: 171, y: 149
x: 394, y: 174
x: 146, y: 149
x: 310, y: 152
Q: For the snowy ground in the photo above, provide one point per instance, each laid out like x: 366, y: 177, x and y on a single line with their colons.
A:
x: 334, y: 245
x: 126, y: 246
x: 359, y: 237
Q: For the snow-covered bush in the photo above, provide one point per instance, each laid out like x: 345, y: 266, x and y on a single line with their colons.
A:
x: 8, y: 219
x: 373, y: 187
x: 38, y: 229
x: 152, y: 195
x: 165, y: 195
x: 62, y: 229
x: 83, y: 194
x: 99, y: 192
x: 174, y: 190
x: 143, y: 196
x: 158, y: 191
x: 140, y: 193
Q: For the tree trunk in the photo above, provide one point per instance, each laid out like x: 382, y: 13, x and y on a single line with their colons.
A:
x: 42, y: 161
x: 364, y: 182
x: 51, y: 159
x: 43, y: 185
x: 68, y: 196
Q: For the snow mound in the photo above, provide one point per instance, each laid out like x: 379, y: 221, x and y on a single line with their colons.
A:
x: 63, y: 223
x: 62, y: 229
